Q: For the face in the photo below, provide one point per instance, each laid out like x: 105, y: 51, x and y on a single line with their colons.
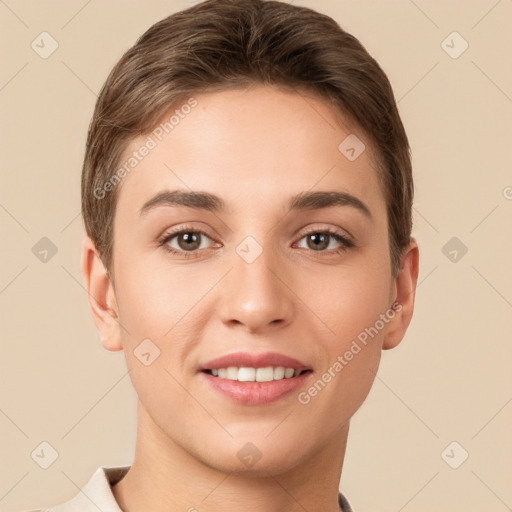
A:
x: 260, y: 270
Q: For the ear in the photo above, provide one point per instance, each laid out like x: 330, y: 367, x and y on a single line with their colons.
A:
x: 404, y: 293
x: 101, y: 296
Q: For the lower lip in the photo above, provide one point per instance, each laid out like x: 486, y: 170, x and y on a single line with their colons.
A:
x: 256, y: 393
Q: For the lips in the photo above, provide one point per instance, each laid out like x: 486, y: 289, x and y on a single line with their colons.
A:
x: 237, y: 377
x: 248, y: 360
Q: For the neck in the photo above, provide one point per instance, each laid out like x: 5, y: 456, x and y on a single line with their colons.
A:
x: 166, y: 477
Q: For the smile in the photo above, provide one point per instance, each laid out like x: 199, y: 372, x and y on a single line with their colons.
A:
x: 244, y: 374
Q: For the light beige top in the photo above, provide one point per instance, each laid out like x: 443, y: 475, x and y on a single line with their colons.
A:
x: 97, y: 494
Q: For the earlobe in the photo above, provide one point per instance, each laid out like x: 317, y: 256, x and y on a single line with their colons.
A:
x: 101, y: 296
x: 405, y: 284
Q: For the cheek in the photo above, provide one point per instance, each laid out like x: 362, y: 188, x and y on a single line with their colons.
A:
x: 351, y: 307
x: 150, y: 299
x: 350, y: 357
x: 350, y: 301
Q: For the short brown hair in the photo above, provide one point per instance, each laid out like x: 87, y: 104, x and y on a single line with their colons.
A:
x: 221, y: 44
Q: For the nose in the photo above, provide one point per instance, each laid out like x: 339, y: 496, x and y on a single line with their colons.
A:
x: 257, y: 295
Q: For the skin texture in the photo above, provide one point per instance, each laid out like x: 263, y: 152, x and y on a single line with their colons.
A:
x: 254, y: 148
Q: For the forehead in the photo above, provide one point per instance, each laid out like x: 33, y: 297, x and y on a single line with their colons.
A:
x: 250, y: 145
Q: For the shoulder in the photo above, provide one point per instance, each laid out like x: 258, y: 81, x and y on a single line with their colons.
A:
x: 96, y: 495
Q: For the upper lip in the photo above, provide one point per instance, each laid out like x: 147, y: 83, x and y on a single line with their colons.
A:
x: 248, y: 360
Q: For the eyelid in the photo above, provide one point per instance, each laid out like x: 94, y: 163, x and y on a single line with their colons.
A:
x: 182, y: 228
x: 315, y: 228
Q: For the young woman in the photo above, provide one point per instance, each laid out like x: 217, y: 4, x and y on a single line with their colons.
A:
x: 247, y: 195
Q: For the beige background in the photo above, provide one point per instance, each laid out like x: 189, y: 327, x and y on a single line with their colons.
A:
x: 449, y: 380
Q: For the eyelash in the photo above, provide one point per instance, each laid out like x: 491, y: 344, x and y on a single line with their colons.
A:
x: 167, y: 237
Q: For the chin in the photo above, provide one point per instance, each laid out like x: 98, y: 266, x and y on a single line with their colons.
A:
x: 275, y: 464
x: 256, y: 456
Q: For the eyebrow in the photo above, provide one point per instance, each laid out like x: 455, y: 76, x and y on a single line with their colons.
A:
x: 212, y: 203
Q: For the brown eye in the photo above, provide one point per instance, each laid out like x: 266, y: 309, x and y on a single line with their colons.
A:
x: 189, y: 241
x: 318, y: 241
x: 186, y: 242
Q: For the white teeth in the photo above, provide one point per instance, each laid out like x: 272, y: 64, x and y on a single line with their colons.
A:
x: 245, y: 374
x: 232, y: 373
x: 265, y: 374
x: 279, y: 372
